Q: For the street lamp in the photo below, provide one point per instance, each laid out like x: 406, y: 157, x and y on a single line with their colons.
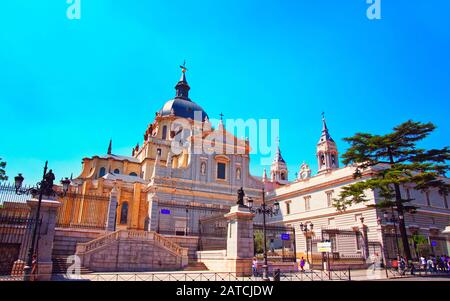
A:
x: 264, y: 209
x: 393, y: 219
x: 44, y: 187
x: 307, y: 231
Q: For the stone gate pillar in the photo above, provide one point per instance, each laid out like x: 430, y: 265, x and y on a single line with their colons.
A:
x: 46, y: 234
x: 240, y: 248
x: 112, y: 211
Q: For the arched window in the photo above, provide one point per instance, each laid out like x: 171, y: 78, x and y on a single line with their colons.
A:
x: 283, y: 176
x: 133, y: 174
x: 116, y: 171
x: 124, y: 213
x: 102, y: 172
x: 164, y: 133
x: 322, y: 159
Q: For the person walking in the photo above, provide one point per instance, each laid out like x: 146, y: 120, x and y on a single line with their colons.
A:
x: 302, y: 265
x: 255, y: 267
x: 430, y: 265
x: 402, y: 266
x: 423, y: 263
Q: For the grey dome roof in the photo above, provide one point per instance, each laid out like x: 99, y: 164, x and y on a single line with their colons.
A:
x: 182, y: 108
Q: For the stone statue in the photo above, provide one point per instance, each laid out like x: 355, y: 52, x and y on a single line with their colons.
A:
x: 48, y: 183
x: 241, y: 195
x: 305, y: 171
x: 203, y: 168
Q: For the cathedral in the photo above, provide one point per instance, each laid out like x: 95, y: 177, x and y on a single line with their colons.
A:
x: 167, y: 189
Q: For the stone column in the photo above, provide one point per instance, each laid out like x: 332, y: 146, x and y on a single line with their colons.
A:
x: 112, y: 209
x: 240, y: 248
x: 46, y: 235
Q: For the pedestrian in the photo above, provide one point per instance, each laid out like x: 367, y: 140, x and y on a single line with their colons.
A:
x: 302, y: 264
x: 402, y: 265
x: 395, y: 264
x: 423, y: 263
x: 34, y: 268
x: 255, y: 266
x: 373, y: 258
x: 430, y: 265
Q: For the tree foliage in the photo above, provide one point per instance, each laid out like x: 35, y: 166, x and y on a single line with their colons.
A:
x: 397, y: 160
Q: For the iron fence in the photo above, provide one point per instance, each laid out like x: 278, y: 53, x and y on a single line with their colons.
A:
x: 185, y: 219
x: 86, y: 211
x: 213, y: 233
x: 280, y: 242
x: 15, y: 241
x: 12, y: 202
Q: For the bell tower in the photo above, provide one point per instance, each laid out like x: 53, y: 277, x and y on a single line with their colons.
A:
x: 278, y: 169
x: 327, y: 153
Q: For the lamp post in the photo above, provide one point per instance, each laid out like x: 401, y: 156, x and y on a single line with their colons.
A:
x: 264, y: 209
x: 307, y: 231
x: 44, y: 187
x: 393, y: 219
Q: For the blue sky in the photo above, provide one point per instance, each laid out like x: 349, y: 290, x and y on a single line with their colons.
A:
x: 68, y: 86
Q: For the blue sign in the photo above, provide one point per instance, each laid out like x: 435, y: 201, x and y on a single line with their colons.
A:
x: 433, y: 243
x: 165, y: 211
x: 285, y: 236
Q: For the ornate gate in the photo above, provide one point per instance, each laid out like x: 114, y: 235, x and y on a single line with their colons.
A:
x: 280, y: 242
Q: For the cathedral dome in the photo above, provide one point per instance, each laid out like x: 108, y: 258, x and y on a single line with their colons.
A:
x: 181, y: 105
x: 182, y: 108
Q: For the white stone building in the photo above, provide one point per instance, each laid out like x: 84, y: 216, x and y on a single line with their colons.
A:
x: 309, y: 199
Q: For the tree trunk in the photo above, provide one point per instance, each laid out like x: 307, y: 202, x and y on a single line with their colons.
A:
x: 401, y: 222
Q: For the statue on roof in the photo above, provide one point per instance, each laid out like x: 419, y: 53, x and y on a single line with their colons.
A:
x: 305, y: 171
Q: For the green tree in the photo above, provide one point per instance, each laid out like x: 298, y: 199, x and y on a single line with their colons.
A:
x: 3, y: 176
x: 397, y: 160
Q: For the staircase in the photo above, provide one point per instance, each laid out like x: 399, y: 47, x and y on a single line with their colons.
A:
x: 60, y: 266
x: 195, y: 266
x: 162, y: 254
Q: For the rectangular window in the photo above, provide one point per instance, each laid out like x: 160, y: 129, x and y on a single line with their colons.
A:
x: 221, y: 171
x: 307, y: 203
x: 164, y: 133
x: 288, y: 207
x: 358, y: 242
x: 329, y: 198
x: 331, y: 222
x: 427, y: 195
x: 445, y: 202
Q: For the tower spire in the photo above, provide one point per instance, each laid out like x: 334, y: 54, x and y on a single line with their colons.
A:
x: 110, y: 147
x: 327, y: 152
x: 325, y: 133
x: 182, y: 86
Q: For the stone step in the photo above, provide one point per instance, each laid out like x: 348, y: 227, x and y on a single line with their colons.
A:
x: 60, y: 266
x: 195, y: 266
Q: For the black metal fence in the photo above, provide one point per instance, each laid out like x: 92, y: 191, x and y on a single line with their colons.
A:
x: 280, y: 242
x: 213, y: 233
x: 347, y: 249
x: 12, y: 202
x: 187, y: 219
x: 15, y: 241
